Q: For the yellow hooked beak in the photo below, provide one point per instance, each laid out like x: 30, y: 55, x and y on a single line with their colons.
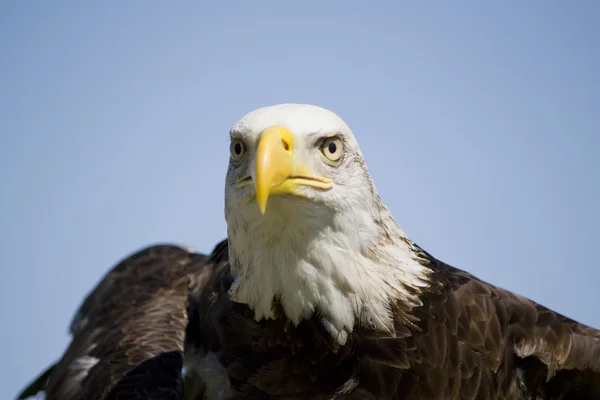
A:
x: 276, y: 171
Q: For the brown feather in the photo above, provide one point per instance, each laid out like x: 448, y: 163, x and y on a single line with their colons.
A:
x: 468, y: 340
x: 136, y: 314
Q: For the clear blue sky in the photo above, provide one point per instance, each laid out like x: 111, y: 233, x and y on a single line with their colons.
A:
x: 480, y: 125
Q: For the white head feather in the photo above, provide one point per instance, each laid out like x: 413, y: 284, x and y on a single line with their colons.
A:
x: 337, y: 253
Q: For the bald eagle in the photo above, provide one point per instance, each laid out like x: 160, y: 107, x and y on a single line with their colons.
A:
x: 317, y: 293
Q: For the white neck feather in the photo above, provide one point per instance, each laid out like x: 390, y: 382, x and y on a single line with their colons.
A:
x: 346, y: 266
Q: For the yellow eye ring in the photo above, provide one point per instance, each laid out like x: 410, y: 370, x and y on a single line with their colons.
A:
x: 332, y: 148
x: 237, y: 149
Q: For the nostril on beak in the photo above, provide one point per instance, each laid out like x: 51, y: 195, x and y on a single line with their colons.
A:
x: 285, y: 144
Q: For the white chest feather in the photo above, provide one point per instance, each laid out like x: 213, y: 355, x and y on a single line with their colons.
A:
x: 340, y: 266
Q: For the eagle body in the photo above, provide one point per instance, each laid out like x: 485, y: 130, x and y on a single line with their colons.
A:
x: 316, y: 293
x: 468, y: 340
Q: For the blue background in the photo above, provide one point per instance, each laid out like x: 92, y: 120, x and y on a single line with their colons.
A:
x: 479, y: 123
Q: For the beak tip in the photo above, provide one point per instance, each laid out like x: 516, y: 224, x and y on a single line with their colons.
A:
x: 262, y: 204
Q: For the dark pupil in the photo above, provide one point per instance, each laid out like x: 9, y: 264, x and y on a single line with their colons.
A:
x: 332, y: 147
x: 237, y: 148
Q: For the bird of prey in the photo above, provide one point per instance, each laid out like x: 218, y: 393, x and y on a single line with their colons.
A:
x: 317, y: 293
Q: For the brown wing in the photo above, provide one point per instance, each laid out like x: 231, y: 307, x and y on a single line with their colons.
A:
x: 480, y: 341
x: 128, y: 336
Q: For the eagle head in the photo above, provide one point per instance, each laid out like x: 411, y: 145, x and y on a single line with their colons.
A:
x: 306, y: 227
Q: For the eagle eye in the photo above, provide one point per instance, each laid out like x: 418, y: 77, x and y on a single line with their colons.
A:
x: 237, y: 149
x: 332, y: 148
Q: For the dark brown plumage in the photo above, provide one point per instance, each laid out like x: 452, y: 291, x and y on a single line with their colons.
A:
x: 469, y: 340
x: 134, y: 324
